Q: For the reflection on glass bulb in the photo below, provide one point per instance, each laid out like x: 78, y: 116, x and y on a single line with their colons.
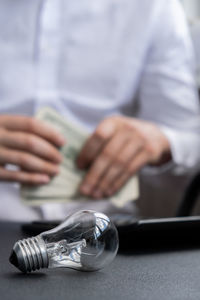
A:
x: 86, y: 240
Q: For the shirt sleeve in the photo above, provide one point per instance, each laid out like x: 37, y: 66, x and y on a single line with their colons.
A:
x: 167, y: 93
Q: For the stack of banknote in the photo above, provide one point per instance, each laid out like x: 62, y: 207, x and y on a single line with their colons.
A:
x: 65, y: 186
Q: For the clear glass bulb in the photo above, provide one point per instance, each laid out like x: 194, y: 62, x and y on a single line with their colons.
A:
x: 86, y: 240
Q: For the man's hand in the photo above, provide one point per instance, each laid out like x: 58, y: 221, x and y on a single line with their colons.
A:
x: 31, y: 145
x: 120, y: 147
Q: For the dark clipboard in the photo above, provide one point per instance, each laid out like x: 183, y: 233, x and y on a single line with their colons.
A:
x: 162, y: 233
x: 143, y: 233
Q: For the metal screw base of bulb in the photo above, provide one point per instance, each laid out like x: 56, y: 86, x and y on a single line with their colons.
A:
x: 30, y: 254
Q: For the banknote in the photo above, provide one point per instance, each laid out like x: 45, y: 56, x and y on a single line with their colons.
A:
x: 64, y: 187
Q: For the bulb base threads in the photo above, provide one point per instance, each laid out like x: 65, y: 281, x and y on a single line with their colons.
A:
x: 30, y: 254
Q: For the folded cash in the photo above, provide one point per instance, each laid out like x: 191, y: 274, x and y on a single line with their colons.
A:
x: 64, y: 187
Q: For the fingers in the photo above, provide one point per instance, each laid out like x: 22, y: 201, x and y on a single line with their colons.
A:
x: 119, y: 167
x: 138, y: 162
x: 30, y: 143
x: 34, y: 126
x: 114, y: 155
x: 103, y: 162
x: 27, y: 161
x: 95, y: 143
x: 23, y: 177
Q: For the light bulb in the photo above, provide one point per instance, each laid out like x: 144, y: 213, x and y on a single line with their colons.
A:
x: 86, y: 240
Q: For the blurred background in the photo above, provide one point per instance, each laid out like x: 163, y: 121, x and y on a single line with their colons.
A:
x: 192, y: 10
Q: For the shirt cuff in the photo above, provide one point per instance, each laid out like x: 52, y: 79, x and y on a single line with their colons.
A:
x: 185, y: 153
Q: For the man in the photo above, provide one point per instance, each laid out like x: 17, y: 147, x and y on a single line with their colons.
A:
x: 122, y: 69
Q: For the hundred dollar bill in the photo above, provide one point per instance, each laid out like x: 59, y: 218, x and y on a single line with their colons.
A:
x: 64, y: 187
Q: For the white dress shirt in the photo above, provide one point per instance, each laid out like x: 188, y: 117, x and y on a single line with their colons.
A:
x: 91, y: 59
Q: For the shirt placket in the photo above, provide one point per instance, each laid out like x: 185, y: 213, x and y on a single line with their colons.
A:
x: 48, y: 51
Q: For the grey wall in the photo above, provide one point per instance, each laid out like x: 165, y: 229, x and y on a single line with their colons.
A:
x: 192, y: 9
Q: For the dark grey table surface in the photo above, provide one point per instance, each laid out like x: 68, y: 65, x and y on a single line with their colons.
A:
x: 140, y: 275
